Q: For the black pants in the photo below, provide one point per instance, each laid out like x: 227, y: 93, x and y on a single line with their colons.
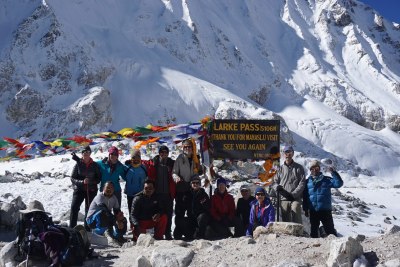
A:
x: 191, y: 227
x: 325, y: 217
x: 181, y: 204
x: 220, y: 229
x: 77, y: 198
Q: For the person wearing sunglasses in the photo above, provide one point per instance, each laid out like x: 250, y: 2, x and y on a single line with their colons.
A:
x: 85, y: 177
x: 198, y: 213
x: 185, y: 167
x: 261, y: 212
x: 289, y: 183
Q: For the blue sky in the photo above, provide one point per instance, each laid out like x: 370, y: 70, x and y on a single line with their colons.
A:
x: 389, y: 9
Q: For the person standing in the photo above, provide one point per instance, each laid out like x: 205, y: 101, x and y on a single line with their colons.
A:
x: 85, y: 177
x: 185, y: 166
x: 111, y: 170
x: 160, y: 171
x: 289, y: 182
x: 243, y: 205
x: 262, y: 212
x: 317, y: 200
x: 148, y: 212
x: 135, y: 176
x: 106, y: 217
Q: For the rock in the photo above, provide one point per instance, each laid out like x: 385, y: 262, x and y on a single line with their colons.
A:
x: 243, y: 241
x: 392, y: 229
x: 214, y: 247
x: 390, y: 263
x: 36, y: 175
x: 145, y: 240
x: 288, y: 228
x: 343, y: 252
x: 171, y: 256
x: 266, y: 238
x: 223, y: 264
x: 359, y: 238
x: 46, y: 174
x: 260, y: 230
x: 142, y: 261
x: 203, y: 244
x: 293, y: 263
x: 96, y: 239
x: 387, y: 220
x: 128, y: 244
x: 7, y: 254
x: 9, y: 214
x: 19, y: 203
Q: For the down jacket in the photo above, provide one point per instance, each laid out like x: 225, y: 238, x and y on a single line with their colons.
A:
x: 317, y: 194
x: 222, y: 206
x: 267, y: 215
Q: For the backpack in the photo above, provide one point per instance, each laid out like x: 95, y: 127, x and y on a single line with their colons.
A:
x: 76, y: 249
x: 29, y: 226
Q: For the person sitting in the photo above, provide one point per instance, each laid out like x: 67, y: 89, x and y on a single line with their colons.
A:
x: 198, y: 217
x: 244, y: 204
x: 262, y: 212
x: 223, y: 213
x: 105, y: 216
x: 148, y: 212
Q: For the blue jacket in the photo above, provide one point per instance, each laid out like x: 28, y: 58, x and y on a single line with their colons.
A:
x: 317, y: 194
x: 267, y: 215
x: 111, y: 175
x: 135, y: 177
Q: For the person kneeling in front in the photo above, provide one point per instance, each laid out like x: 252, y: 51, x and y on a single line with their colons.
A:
x: 148, y: 212
x: 105, y: 216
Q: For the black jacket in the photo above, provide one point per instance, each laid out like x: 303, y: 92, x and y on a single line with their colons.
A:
x: 243, y: 208
x: 197, y: 203
x: 144, y: 207
x: 82, y: 171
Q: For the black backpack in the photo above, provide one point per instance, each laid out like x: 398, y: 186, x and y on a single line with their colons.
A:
x: 76, y: 249
x: 29, y: 226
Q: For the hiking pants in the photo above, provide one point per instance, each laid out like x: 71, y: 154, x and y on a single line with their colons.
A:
x: 325, y: 217
x: 291, y: 211
x: 77, y: 198
x: 159, y: 227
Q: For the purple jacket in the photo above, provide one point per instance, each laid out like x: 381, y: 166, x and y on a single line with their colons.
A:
x: 267, y: 215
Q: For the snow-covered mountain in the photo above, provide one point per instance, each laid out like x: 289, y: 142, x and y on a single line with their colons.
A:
x: 329, y: 68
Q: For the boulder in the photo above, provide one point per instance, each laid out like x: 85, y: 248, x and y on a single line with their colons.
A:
x: 392, y: 229
x: 7, y: 254
x: 287, y: 228
x: 344, y: 251
x: 142, y: 261
x: 171, y: 256
x: 145, y: 240
x: 9, y: 214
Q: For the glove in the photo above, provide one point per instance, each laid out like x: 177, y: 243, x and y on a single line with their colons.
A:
x: 306, y: 213
x: 75, y: 157
x: 286, y: 195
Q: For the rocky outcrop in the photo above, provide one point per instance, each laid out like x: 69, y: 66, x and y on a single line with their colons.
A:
x: 343, y: 252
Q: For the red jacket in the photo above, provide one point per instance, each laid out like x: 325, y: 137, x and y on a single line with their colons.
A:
x: 222, y: 206
x: 151, y: 166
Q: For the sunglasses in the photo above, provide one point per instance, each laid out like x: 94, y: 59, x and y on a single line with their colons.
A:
x: 260, y: 194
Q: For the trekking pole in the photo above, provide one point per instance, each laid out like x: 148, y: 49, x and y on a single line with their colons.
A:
x: 278, y: 205
x: 30, y: 239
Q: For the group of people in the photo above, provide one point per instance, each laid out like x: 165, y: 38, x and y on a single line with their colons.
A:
x: 152, y: 186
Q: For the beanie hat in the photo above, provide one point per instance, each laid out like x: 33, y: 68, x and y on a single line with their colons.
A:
x: 163, y: 148
x: 244, y: 187
x: 221, y: 181
x: 195, y: 177
x: 314, y: 163
x: 288, y: 148
x: 113, y: 150
x: 87, y: 149
x: 260, y: 190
